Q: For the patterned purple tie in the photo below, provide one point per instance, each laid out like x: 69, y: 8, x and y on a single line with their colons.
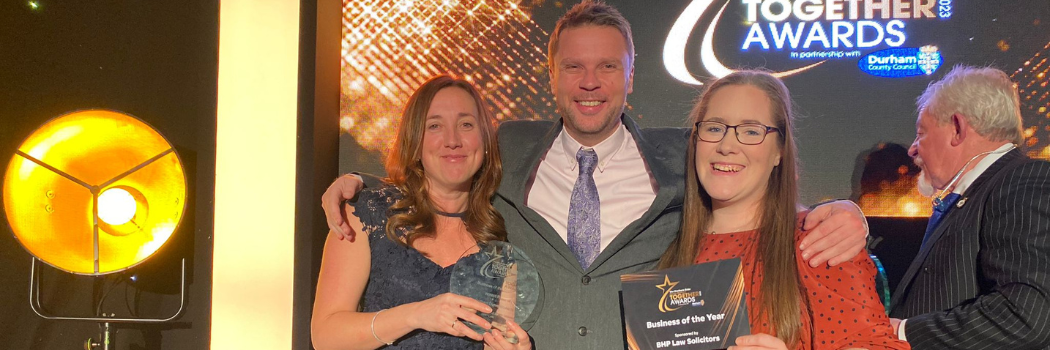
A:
x: 584, y: 227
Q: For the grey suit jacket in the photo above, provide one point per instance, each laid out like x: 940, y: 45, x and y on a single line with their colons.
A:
x: 982, y: 281
x: 580, y: 309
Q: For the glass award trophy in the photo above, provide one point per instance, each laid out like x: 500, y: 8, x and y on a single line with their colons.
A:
x: 504, y: 278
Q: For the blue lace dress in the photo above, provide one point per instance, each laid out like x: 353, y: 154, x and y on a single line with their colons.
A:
x: 401, y: 275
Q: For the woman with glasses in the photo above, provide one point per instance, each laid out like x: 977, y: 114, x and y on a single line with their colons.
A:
x: 742, y: 201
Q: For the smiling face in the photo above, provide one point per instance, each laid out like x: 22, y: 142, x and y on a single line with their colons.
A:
x: 730, y: 172
x: 452, y: 149
x: 591, y: 77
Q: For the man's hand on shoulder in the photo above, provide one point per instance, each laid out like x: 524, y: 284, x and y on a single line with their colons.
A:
x: 836, y: 232
x: 345, y: 187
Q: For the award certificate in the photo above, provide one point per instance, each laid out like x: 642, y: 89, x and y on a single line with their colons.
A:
x: 692, y: 307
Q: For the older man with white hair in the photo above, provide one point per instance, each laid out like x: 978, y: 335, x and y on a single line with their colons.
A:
x: 981, y: 279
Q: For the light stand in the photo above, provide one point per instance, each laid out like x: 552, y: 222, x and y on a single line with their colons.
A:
x: 104, y: 342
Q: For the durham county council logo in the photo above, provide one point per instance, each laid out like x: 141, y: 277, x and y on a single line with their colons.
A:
x: 901, y: 62
x: 929, y: 59
x: 674, y: 299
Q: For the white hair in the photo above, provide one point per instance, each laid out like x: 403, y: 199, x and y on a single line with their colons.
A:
x: 985, y: 97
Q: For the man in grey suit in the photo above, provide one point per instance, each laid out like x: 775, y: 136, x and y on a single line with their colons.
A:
x: 592, y: 196
x: 981, y: 279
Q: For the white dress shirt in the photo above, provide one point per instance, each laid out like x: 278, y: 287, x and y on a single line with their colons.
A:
x: 967, y: 179
x: 625, y: 187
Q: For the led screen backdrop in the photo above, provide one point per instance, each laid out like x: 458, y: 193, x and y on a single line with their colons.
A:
x: 854, y: 68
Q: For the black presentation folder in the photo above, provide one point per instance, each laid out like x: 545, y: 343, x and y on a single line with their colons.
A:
x: 685, y: 308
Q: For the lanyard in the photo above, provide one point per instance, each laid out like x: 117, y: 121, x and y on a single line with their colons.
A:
x: 939, y: 199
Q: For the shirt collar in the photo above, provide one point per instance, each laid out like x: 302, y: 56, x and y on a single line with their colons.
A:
x: 605, y: 149
x: 968, y: 178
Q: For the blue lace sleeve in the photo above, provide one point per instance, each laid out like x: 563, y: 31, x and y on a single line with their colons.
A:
x: 373, y: 208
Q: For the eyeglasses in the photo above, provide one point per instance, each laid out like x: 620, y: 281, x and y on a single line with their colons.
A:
x: 748, y: 133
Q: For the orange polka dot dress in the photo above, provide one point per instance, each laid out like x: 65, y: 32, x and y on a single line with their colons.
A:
x: 843, y: 305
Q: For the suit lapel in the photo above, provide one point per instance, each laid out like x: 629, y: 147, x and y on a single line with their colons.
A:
x: 525, y: 169
x: 667, y: 194
x: 950, y: 218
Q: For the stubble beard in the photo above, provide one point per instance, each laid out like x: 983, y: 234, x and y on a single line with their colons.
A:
x: 608, y: 119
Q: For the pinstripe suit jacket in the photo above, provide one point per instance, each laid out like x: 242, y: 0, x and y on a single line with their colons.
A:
x: 982, y: 281
x: 580, y: 308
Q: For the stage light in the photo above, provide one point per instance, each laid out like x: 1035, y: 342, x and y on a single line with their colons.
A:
x: 116, y: 206
x: 93, y: 193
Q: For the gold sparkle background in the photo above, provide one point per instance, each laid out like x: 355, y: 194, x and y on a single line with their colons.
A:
x: 389, y: 48
x: 1031, y: 81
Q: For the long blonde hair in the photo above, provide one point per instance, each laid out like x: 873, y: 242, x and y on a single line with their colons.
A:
x: 414, y: 213
x: 780, y: 296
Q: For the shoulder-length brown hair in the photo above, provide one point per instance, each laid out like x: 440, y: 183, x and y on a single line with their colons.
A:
x: 414, y: 213
x: 780, y: 294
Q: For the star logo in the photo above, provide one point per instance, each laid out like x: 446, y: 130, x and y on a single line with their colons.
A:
x: 667, y: 287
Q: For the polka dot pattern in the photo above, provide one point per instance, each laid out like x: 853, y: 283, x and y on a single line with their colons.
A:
x: 842, y: 302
